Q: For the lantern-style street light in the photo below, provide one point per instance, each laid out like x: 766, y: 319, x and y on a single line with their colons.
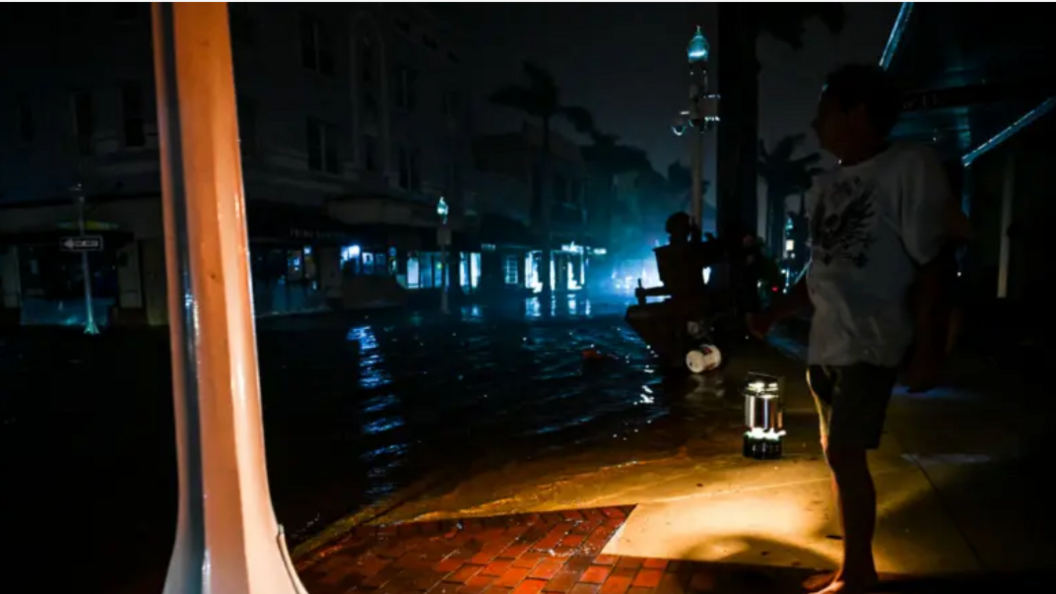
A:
x: 703, y: 113
x: 443, y: 236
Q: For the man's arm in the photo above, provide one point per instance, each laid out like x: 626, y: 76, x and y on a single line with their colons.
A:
x: 795, y: 301
x: 926, y: 231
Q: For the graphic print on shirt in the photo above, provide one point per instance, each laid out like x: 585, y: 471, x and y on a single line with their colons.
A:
x: 841, y: 222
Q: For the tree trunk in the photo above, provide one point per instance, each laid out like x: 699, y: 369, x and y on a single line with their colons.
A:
x: 776, y: 219
x: 545, y: 212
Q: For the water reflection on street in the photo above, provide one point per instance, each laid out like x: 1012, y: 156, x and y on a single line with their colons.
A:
x: 410, y: 395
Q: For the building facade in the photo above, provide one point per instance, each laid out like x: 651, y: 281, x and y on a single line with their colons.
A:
x: 354, y: 122
x: 982, y: 93
x: 523, y: 214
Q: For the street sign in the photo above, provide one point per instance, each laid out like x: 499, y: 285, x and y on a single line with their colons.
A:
x: 83, y: 243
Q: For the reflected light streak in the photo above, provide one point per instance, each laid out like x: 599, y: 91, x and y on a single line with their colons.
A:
x: 371, y: 360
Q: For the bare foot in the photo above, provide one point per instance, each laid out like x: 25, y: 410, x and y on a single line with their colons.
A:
x: 841, y: 585
x: 818, y: 581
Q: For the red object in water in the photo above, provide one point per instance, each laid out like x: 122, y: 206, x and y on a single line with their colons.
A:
x: 589, y: 354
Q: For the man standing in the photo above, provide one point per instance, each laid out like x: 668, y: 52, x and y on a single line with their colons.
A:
x: 875, y: 280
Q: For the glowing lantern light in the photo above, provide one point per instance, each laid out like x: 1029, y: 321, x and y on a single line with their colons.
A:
x: 763, y: 417
x: 699, y: 49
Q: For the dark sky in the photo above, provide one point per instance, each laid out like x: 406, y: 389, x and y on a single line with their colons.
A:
x: 626, y: 63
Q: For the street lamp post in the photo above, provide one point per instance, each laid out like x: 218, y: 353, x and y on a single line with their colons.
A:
x: 89, y: 312
x: 227, y: 537
x: 444, y: 239
x: 702, y: 115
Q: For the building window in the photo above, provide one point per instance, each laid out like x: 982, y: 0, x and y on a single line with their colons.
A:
x: 450, y: 175
x: 409, y: 166
x: 83, y: 122
x: 403, y: 159
x: 405, y: 88
x: 25, y: 120
x: 416, y: 170
x: 317, y: 52
x: 322, y: 147
x: 370, y: 153
x: 560, y: 189
x: 132, y: 114
x: 576, y: 189
x: 240, y: 23
x: 413, y: 280
x: 511, y: 269
x: 247, y: 125
x: 366, y: 60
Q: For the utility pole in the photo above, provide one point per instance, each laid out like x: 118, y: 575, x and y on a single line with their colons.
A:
x: 89, y: 314
x: 228, y: 540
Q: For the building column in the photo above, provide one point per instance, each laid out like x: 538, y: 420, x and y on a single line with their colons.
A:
x: 129, y: 283
x: 1008, y: 188
x: 10, y: 279
x: 152, y: 252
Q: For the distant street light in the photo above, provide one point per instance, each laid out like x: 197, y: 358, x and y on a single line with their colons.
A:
x: 703, y: 113
x: 443, y: 236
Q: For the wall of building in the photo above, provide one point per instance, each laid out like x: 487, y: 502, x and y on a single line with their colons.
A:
x: 315, y: 129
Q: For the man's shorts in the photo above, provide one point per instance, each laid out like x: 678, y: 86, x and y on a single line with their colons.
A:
x: 852, y: 402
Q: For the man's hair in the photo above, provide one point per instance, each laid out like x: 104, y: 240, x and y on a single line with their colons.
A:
x: 863, y: 84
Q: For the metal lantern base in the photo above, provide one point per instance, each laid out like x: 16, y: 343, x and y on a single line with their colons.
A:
x: 762, y: 449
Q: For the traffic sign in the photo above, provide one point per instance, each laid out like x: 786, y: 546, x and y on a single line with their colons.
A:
x: 83, y: 243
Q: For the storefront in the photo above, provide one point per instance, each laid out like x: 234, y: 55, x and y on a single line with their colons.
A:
x: 44, y: 282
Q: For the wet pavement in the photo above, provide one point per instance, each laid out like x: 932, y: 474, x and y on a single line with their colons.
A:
x: 412, y: 417
x: 357, y: 411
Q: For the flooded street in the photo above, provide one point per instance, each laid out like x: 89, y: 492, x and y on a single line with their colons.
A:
x: 356, y: 412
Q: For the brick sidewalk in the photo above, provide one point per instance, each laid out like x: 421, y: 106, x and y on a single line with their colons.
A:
x: 556, y: 553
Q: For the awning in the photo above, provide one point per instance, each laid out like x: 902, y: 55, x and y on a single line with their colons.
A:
x: 408, y: 238
x: 974, y: 69
x: 279, y: 221
x: 53, y: 237
x: 502, y: 231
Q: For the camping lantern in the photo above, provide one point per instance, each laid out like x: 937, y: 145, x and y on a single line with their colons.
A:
x: 763, y: 417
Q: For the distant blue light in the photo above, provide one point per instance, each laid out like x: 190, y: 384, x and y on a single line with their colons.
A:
x: 698, y: 48
x: 897, y: 32
x: 1027, y: 119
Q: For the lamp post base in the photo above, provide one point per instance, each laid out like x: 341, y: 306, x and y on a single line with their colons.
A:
x: 762, y: 449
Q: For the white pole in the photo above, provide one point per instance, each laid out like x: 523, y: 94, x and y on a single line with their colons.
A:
x: 443, y: 270
x: 89, y: 313
x: 227, y: 538
x: 697, y: 156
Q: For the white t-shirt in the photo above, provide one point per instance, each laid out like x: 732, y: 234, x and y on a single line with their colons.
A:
x: 872, y: 225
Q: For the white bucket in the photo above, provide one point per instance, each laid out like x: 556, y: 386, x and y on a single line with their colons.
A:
x: 703, y: 359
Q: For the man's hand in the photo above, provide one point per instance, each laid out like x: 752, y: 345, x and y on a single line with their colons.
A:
x: 759, y: 324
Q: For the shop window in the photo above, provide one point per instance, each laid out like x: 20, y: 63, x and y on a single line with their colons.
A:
x: 413, y: 280
x: 425, y: 270
x: 294, y: 266
x: 511, y: 269
x: 381, y: 268
x: 368, y: 264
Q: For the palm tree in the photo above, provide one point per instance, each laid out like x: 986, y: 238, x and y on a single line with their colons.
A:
x: 539, y: 97
x: 680, y: 180
x: 742, y: 23
x: 785, y: 176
